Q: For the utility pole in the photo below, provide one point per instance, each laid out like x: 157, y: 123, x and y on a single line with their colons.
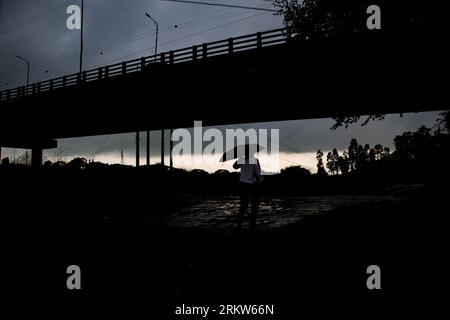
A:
x: 156, y: 53
x: 81, y: 38
x: 28, y: 68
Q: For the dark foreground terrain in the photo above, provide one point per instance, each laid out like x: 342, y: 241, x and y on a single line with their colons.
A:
x: 144, y: 248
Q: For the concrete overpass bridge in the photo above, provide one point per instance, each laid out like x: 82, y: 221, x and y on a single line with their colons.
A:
x: 267, y: 76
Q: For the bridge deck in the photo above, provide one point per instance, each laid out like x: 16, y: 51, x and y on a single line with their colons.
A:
x: 255, y: 78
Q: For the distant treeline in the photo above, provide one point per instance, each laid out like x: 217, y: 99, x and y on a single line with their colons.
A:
x: 420, y: 153
x: 419, y: 156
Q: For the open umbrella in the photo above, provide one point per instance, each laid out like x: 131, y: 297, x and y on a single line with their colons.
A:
x: 240, y: 151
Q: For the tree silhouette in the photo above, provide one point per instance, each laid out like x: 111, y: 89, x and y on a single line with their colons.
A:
x: 320, y: 169
x: 346, y: 19
x: 320, y: 19
x: 343, y: 163
x: 78, y: 163
x: 443, y: 123
x: 295, y: 172
x: 378, y: 152
x: 332, y: 162
x: 353, y: 154
x: 357, y: 159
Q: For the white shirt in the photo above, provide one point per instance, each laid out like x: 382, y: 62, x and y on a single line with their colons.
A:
x: 250, y: 170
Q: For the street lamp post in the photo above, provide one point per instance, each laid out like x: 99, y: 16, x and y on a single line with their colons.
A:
x: 156, y: 52
x: 28, y: 68
x: 157, y: 31
x: 81, y: 36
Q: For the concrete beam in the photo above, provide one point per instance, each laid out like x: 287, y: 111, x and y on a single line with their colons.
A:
x: 45, y: 144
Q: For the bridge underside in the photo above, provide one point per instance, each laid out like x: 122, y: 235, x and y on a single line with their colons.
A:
x: 285, y: 82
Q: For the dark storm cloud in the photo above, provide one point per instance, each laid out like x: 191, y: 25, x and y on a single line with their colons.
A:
x: 115, y: 30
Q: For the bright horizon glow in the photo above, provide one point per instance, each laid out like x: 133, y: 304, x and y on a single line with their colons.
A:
x: 299, y: 142
x: 212, y: 164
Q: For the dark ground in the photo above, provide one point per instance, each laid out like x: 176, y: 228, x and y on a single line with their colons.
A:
x: 142, y: 248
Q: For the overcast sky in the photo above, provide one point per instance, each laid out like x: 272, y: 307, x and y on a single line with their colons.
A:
x: 117, y: 30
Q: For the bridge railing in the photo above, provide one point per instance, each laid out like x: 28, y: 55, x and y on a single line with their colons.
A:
x: 196, y: 52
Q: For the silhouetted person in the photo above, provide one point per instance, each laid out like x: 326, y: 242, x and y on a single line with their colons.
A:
x: 248, y: 181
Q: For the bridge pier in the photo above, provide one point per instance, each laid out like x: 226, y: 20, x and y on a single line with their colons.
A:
x: 162, y: 147
x: 37, y: 148
x: 171, y: 148
x: 148, y: 148
x: 138, y: 156
x: 36, y: 157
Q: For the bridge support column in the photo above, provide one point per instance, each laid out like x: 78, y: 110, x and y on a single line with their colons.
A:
x: 36, y: 157
x: 0, y: 155
x: 148, y: 148
x: 162, y: 147
x: 171, y: 148
x: 138, y: 156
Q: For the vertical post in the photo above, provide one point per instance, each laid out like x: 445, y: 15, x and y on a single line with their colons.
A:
x: 205, y: 50
x: 51, y: 84
x: 259, y: 40
x: 100, y: 73
x: 64, y: 84
x: 81, y: 36
x: 171, y: 148
x: 143, y: 63
x: 28, y: 74
x: 194, y: 53
x: 106, y: 72
x: 171, y: 57
x: 36, y: 157
x: 148, y: 148
x: 157, y: 32
x: 230, y: 45
x: 137, y: 149
x: 162, y: 147
x: 28, y: 68
x: 163, y: 58
x: 124, y: 68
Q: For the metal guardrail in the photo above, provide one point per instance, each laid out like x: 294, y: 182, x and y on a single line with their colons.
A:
x: 197, y: 52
